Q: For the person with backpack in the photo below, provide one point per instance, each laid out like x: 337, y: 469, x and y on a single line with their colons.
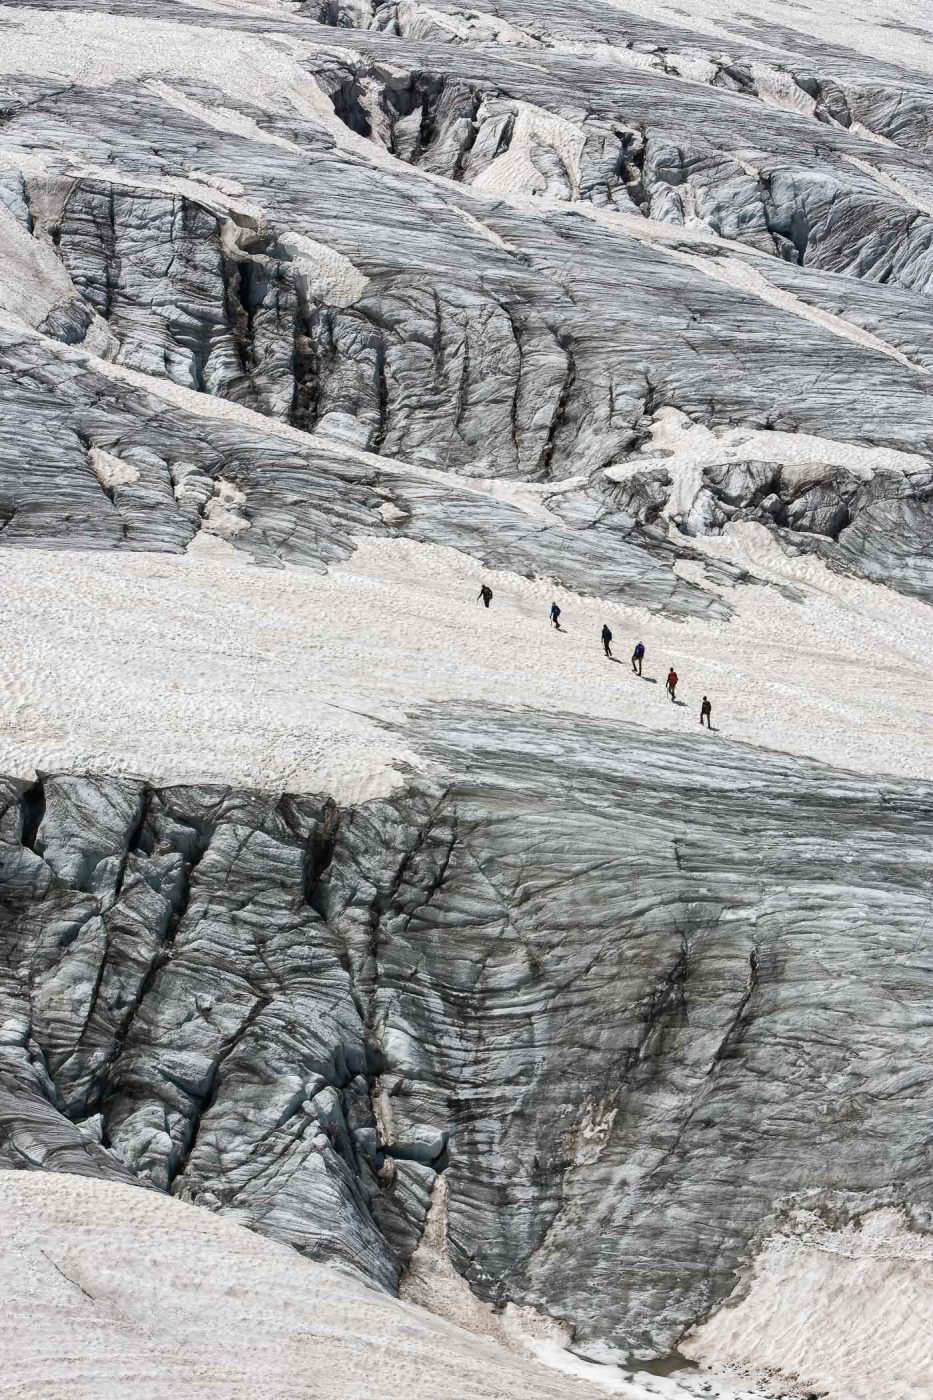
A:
x: 638, y: 655
x: 486, y: 594
x: 706, y: 711
x: 607, y: 638
x: 555, y: 617
x: 672, y: 679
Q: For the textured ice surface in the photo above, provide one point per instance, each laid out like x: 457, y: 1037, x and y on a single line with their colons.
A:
x: 531, y: 999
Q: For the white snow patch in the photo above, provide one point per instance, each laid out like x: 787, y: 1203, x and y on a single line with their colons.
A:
x: 33, y: 279
x: 232, y: 188
x: 223, y: 513
x: 482, y: 229
x: 329, y: 275
x: 514, y: 173
x: 196, y: 667
x: 681, y: 446
x: 694, y: 67
x: 778, y: 89
x: 642, y: 59
x: 857, y: 129
x: 392, y: 514
x: 112, y: 471
x: 847, y: 1313
x: 206, y: 545
x: 154, y: 1299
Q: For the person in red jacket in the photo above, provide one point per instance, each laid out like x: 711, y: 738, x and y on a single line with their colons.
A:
x: 672, y: 683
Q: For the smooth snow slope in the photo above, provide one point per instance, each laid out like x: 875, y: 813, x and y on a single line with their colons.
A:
x: 113, y: 1291
x: 898, y: 31
x: 208, y: 668
x: 796, y: 1311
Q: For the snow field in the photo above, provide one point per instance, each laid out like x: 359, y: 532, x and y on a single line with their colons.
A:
x: 208, y: 668
x: 845, y: 1312
x: 112, y: 1292
x: 896, y: 31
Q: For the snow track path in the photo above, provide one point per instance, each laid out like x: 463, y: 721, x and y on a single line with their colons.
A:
x: 206, y: 668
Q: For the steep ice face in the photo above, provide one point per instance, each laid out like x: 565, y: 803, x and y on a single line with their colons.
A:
x: 864, y: 510
x: 541, y: 300
x: 578, y: 975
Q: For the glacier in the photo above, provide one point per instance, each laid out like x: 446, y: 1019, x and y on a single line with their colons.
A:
x: 414, y: 937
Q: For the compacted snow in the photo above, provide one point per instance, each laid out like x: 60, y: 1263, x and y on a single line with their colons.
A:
x: 205, y: 667
x: 118, y: 1291
x: 796, y: 1311
x: 898, y: 31
x: 114, y: 1291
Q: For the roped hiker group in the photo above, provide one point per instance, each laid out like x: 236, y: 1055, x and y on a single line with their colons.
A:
x: 638, y: 656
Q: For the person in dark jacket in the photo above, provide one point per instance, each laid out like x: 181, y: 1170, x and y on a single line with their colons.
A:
x: 486, y: 594
x: 706, y: 711
x: 607, y: 638
x: 555, y: 617
x: 638, y: 656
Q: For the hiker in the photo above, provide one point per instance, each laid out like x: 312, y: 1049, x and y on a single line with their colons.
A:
x: 555, y: 616
x: 638, y: 656
x: 706, y: 711
x: 607, y: 638
x: 486, y: 594
x: 672, y: 683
